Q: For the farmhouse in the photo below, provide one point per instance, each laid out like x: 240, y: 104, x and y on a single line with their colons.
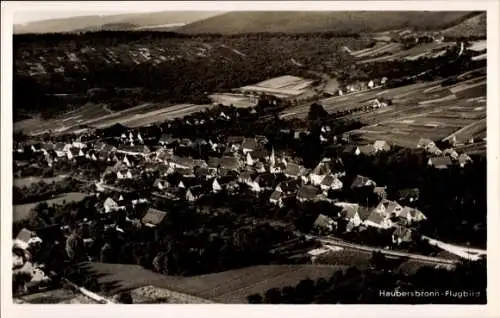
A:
x: 320, y: 172
x: 450, y: 152
x: 350, y: 213
x: 153, y: 217
x: 439, y: 162
x: 161, y: 184
x: 109, y: 205
x: 194, y: 193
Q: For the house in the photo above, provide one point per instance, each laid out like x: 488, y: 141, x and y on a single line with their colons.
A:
x: 245, y: 177
x: 199, y: 163
x: 249, y: 145
x: 319, y: 173
x: 381, y: 145
x: 381, y: 192
x: 389, y: 208
x: 450, y: 152
x: 323, y: 224
x: 402, y: 235
x: 260, y: 154
x: 74, y: 153
x: 153, y: 217
x: 425, y: 143
x: 330, y: 182
x: 126, y: 161
x: 110, y: 205
x: 409, y: 195
x: 213, y: 164
x: 25, y: 238
x: 166, y: 140
x: 216, y: 187
x: 229, y: 163
x: 350, y: 213
x: 61, y: 149
x: 289, y: 187
x: 235, y: 142
x: 464, y: 159
x: 434, y: 150
x: 260, y: 167
x: 351, y: 150
x: 181, y: 162
x: 161, y: 184
x: 361, y: 181
x: 367, y: 150
x: 411, y: 215
x: 308, y: 193
x: 204, y: 173
x: 440, y: 162
x: 249, y: 160
x: 276, y: 198
x: 194, y: 193
x: 378, y: 220
x: 266, y: 181
x: 293, y: 170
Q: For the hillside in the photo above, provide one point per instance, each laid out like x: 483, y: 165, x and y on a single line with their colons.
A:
x: 344, y: 22
x: 475, y: 26
x: 113, y: 22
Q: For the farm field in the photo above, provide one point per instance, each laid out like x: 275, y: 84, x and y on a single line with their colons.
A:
x: 225, y: 287
x: 237, y: 100
x: 26, y: 182
x: 22, y: 211
x: 394, y: 51
x: 99, y: 116
x: 282, y: 86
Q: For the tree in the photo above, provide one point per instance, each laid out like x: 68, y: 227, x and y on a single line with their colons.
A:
x: 378, y: 260
x: 316, y: 111
x: 288, y: 295
x: 255, y: 299
x: 125, y: 298
x: 273, y: 296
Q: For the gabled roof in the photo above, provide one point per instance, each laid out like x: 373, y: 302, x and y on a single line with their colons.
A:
x: 230, y: 163
x: 199, y: 163
x: 47, y: 146
x: 367, y: 149
x: 308, y: 192
x: 378, y: 144
x: 260, y: 153
x: 167, y: 139
x: 196, y: 190
x: 403, y: 233
x: 154, y: 216
x: 321, y: 169
x: 364, y: 212
x: 235, y: 139
x: 349, y: 149
x: 390, y: 206
x: 160, y: 181
x: 375, y: 217
x: 74, y: 151
x: 246, y: 175
x: 182, y: 161
x: 25, y: 235
x: 423, y: 142
x: 249, y: 143
x: 322, y: 221
x: 407, y: 193
x: 265, y: 180
x: 293, y: 169
x: 441, y: 161
x: 213, y: 162
x: 59, y: 146
x: 349, y: 211
x: 289, y: 186
x: 361, y: 181
x: 276, y: 195
x: 328, y: 180
x: 464, y: 158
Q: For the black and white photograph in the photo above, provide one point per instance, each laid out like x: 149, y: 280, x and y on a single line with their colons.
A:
x: 166, y: 155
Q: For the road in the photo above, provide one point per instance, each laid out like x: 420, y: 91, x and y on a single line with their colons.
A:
x: 422, y: 258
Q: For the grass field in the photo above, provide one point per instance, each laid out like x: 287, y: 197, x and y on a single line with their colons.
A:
x: 225, y: 287
x: 395, y: 51
x: 22, y: 211
x: 26, y: 182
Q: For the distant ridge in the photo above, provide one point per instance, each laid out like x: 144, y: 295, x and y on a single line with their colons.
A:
x: 119, y: 22
x: 324, y: 21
